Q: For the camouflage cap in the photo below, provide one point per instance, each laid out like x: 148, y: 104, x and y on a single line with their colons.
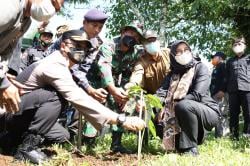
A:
x: 149, y: 34
x: 135, y: 25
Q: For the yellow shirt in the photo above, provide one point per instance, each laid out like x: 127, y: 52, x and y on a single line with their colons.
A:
x: 149, y: 73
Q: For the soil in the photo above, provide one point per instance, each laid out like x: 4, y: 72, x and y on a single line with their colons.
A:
x: 108, y: 159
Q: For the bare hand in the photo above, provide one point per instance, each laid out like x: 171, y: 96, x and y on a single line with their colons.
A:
x: 134, y: 123
x: 99, y: 94
x: 120, y: 96
x: 10, y: 98
x: 219, y: 95
x: 140, y: 106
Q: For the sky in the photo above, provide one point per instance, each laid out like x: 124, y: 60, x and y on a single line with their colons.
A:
x: 77, y: 11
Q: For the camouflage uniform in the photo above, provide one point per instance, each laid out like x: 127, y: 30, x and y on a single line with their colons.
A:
x: 113, y: 66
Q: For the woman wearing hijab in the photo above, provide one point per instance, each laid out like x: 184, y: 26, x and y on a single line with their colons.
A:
x: 189, y: 111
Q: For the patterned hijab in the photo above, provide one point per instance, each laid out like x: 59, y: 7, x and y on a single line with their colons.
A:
x: 175, y: 66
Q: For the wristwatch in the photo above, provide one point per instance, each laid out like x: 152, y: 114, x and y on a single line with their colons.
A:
x: 121, y: 119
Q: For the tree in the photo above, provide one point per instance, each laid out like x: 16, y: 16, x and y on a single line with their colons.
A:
x: 205, y: 24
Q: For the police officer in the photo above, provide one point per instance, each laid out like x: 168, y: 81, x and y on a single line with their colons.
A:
x: 238, y: 87
x: 36, y: 53
x: 40, y: 112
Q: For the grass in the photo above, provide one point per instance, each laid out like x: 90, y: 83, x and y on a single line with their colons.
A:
x: 213, y: 152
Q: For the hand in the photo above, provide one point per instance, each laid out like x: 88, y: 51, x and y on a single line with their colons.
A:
x: 219, y: 95
x: 10, y: 98
x: 99, y: 94
x: 120, y: 96
x: 134, y: 123
x: 140, y: 105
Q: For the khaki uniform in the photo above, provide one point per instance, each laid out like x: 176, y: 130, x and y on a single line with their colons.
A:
x: 149, y: 73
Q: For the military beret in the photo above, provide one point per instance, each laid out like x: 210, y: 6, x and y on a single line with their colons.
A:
x: 95, y: 15
x: 77, y: 36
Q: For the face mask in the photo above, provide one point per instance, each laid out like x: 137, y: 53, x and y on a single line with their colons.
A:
x: 153, y: 48
x: 239, y: 49
x: 45, y: 44
x: 42, y: 11
x: 184, y: 58
x: 76, y: 55
x: 129, y: 41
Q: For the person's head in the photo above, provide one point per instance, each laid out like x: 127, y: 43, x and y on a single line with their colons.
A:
x: 181, y: 56
x: 130, y: 36
x: 217, y: 58
x: 61, y: 29
x: 45, y: 38
x: 151, y: 44
x: 239, y: 46
x: 75, y: 45
x: 42, y: 10
x: 93, y: 22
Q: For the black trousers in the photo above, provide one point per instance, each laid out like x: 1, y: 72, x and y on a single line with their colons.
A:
x: 194, y: 119
x: 39, y: 111
x: 237, y: 100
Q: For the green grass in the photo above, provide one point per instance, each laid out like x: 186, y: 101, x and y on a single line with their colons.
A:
x: 213, y: 152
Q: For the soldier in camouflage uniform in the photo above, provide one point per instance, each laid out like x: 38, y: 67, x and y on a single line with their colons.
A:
x: 115, y: 62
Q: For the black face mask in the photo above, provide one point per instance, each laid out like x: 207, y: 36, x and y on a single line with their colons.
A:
x: 45, y: 44
x: 129, y: 41
x: 77, y: 55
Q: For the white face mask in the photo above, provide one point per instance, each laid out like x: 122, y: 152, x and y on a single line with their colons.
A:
x: 153, y: 48
x: 184, y: 58
x: 239, y: 49
x: 42, y: 11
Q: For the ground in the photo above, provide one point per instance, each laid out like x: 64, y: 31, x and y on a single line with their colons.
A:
x: 107, y: 159
x: 99, y: 155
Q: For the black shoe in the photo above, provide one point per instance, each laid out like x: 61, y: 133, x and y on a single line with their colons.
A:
x: 120, y: 149
x: 35, y: 156
x: 191, y: 151
x: 29, y: 150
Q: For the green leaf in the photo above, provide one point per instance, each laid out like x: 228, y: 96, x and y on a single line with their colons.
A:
x: 152, y: 128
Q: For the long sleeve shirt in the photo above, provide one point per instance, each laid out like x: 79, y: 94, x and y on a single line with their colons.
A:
x: 12, y: 26
x: 80, y: 71
x: 54, y: 71
x: 218, y: 79
x: 149, y: 73
x: 198, y: 90
x: 113, y: 62
x: 238, y: 73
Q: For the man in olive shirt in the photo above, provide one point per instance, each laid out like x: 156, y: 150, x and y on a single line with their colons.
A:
x: 152, y: 66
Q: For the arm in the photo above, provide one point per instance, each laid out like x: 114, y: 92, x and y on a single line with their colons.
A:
x: 79, y: 72
x: 162, y: 91
x: 93, y: 111
x: 105, y: 67
x: 200, y: 83
x: 136, y: 77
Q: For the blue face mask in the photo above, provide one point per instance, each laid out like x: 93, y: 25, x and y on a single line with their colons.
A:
x: 153, y: 48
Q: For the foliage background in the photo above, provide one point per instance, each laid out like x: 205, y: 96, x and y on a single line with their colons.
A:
x: 208, y: 25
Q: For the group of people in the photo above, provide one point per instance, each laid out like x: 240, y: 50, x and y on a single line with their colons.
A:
x: 82, y: 71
